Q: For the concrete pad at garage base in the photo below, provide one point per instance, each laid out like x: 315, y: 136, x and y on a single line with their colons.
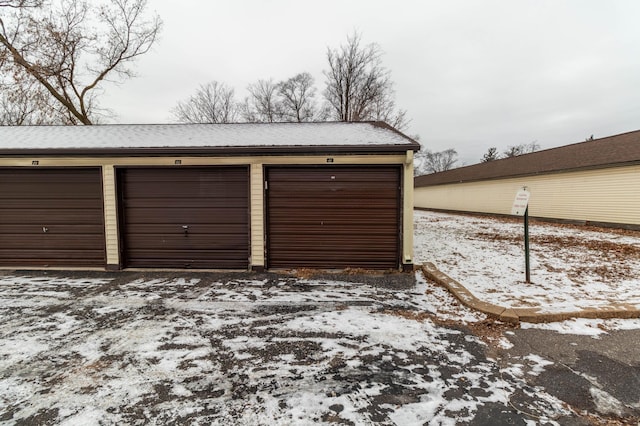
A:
x: 514, y: 314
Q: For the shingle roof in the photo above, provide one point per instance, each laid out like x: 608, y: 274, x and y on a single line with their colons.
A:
x: 611, y: 151
x: 365, y: 135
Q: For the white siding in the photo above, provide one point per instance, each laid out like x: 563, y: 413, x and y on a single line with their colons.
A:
x: 605, y: 195
x: 407, y: 210
x: 110, y: 214
x: 257, y: 215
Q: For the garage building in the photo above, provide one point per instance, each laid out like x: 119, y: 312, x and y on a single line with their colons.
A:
x: 594, y: 182
x: 207, y: 196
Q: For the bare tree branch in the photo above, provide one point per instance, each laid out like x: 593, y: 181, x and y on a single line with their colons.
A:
x: 433, y: 162
x: 297, y: 99
x: 358, y: 86
x: 69, y: 47
x: 490, y: 155
x: 524, y: 148
x: 213, y: 103
x: 28, y: 104
x: 262, y: 105
x: 17, y: 4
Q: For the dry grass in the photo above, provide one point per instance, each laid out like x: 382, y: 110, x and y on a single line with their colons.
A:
x: 309, y: 273
x: 602, y: 258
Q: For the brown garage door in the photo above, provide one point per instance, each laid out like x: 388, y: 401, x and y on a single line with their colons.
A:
x: 333, y: 217
x: 51, y: 217
x: 184, y: 217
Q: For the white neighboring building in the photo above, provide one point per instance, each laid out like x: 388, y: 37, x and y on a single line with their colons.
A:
x: 595, y: 182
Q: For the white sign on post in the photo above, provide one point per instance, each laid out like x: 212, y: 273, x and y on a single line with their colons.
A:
x: 521, y: 202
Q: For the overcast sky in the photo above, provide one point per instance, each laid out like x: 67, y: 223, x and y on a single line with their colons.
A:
x: 471, y: 74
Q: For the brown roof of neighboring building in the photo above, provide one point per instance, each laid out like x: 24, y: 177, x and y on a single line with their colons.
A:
x: 617, y: 150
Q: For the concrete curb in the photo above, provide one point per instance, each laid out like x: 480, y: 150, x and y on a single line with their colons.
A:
x: 517, y: 315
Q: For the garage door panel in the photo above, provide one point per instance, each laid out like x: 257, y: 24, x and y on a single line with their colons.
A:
x: 192, y: 242
x: 180, y: 190
x: 312, y: 176
x: 363, y: 260
x: 333, y: 217
x: 12, y: 229
x: 212, y: 202
x: 51, y: 217
x: 372, y: 221
x: 372, y: 250
x: 303, y: 203
x: 219, y: 176
x: 59, y: 257
x: 301, y: 233
x: 58, y: 203
x: 195, y: 259
x: 189, y: 203
x: 46, y: 217
x: 185, y: 216
x: 191, y: 256
x: 349, y: 218
x: 362, y: 239
x: 48, y: 194
x: 333, y: 189
x: 356, y: 253
x: 157, y: 184
x: 37, y: 241
x: 205, y: 229
x: 49, y: 190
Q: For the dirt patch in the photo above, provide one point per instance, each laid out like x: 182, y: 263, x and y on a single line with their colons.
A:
x: 602, y: 246
x: 412, y: 315
x: 490, y: 331
x: 601, y: 258
x: 601, y: 421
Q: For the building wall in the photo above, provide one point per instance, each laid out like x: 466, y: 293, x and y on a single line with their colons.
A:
x: 256, y: 179
x: 605, y: 195
x: 110, y: 214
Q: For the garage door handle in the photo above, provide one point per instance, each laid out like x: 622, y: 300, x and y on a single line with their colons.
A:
x: 185, y: 228
x: 45, y: 229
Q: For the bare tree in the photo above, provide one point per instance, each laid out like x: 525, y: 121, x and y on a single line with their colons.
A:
x: 513, y: 151
x: 17, y: 4
x: 358, y: 86
x: 433, y: 162
x: 490, y: 155
x: 27, y: 104
x: 212, y: 103
x: 385, y: 110
x: 69, y: 48
x: 524, y: 148
x: 297, y: 99
x: 262, y: 105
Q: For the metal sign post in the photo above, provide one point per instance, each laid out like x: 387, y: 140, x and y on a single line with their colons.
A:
x: 521, y: 208
x: 526, y: 246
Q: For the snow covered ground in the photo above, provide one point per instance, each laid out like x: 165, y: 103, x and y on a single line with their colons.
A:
x: 572, y: 267
x: 274, y: 350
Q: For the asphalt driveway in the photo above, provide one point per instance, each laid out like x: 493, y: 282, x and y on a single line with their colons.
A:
x: 134, y: 348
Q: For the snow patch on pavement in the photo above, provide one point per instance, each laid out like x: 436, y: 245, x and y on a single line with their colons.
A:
x: 240, y: 351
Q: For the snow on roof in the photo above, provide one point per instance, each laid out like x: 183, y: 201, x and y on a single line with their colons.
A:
x: 201, y: 135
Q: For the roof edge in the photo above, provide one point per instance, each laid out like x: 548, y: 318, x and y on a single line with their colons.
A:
x: 386, y: 126
x: 210, y: 151
x: 611, y: 151
x: 523, y: 175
